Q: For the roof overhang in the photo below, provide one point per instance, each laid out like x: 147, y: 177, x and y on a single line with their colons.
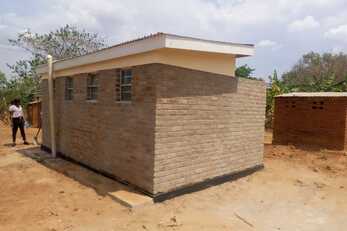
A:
x: 150, y: 43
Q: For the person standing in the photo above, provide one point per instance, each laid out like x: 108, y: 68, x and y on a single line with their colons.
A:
x: 16, y: 111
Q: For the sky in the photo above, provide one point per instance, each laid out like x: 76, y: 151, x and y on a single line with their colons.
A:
x: 282, y: 30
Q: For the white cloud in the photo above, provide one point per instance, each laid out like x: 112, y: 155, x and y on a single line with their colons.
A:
x: 266, y: 43
x: 269, y: 44
x: 338, y: 33
x: 245, y: 21
x: 307, y: 23
x: 8, y: 47
x: 338, y: 18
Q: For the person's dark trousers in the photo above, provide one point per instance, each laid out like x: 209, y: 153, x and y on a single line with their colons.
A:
x: 18, y: 123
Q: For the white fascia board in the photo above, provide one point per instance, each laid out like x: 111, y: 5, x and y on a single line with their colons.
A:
x: 151, y: 43
x: 186, y: 43
x: 126, y: 49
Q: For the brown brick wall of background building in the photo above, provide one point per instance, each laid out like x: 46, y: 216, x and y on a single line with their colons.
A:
x: 207, y: 125
x: 318, y: 121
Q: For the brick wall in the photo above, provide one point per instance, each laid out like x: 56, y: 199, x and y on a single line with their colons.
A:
x: 319, y: 121
x: 183, y: 126
x: 207, y: 125
x: 117, y: 138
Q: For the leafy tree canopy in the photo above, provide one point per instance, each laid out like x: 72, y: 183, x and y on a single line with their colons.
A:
x: 65, y: 42
x: 3, y: 80
x: 318, y: 72
x: 244, y: 71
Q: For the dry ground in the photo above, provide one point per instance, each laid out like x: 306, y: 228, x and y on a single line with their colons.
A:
x: 297, y: 190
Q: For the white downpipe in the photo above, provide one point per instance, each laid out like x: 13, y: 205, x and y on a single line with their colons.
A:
x: 51, y: 105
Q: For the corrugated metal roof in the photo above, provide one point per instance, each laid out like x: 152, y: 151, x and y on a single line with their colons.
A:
x: 314, y: 94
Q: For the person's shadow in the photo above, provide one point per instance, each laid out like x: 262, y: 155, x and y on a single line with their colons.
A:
x: 8, y: 145
x: 17, y: 145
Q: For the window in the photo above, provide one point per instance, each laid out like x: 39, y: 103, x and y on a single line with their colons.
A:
x: 315, y: 105
x: 293, y: 104
x: 124, y: 85
x: 54, y: 87
x: 92, y: 87
x: 68, y: 88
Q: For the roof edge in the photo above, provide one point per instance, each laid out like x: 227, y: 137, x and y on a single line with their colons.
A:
x: 150, y: 43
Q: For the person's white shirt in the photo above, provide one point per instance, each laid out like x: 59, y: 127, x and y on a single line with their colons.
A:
x: 17, y: 112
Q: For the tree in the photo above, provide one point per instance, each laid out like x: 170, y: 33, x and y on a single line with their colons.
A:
x: 276, y: 87
x: 244, y: 71
x: 23, y: 88
x: 316, y: 72
x: 3, y: 94
x: 3, y: 81
x: 65, y: 42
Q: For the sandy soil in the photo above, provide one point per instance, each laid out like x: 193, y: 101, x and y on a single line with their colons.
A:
x: 299, y: 189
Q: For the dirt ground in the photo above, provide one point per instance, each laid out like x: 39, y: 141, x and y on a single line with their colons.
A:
x: 299, y: 189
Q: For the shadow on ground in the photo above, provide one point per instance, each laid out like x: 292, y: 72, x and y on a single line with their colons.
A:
x: 102, y: 185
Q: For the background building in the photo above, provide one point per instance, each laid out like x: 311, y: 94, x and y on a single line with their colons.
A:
x: 317, y: 118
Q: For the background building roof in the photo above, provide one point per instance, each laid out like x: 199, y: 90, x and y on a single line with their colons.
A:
x: 314, y: 94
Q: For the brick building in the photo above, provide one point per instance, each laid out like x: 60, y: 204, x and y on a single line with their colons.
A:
x: 163, y: 113
x: 317, y: 119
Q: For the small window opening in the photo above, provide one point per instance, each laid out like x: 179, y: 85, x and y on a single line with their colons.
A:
x: 293, y: 104
x: 318, y: 105
x: 68, y: 88
x: 124, y: 85
x: 92, y: 87
x: 54, y: 87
